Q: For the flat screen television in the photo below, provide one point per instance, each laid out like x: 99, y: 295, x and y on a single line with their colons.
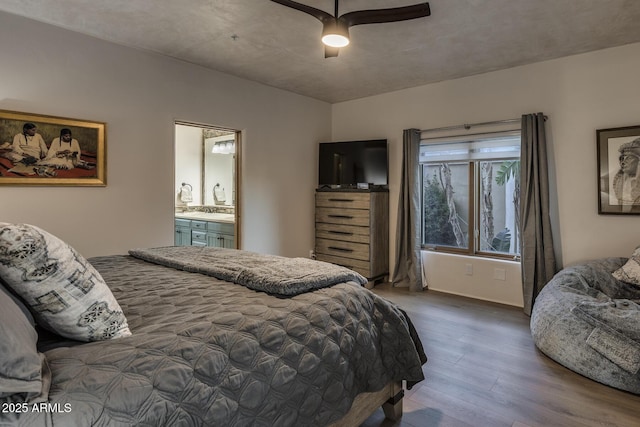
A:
x: 347, y: 164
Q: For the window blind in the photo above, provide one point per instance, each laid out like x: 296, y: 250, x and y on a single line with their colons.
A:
x: 490, y: 146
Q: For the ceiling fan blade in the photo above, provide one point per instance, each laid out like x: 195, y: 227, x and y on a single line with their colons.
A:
x: 316, y: 13
x: 378, y: 16
x: 331, y: 52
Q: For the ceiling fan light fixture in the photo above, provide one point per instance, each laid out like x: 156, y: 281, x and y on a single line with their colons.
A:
x: 335, y: 34
x: 335, y: 40
x: 335, y: 28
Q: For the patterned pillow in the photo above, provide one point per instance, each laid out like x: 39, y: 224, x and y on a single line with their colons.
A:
x: 630, y: 272
x: 66, y: 294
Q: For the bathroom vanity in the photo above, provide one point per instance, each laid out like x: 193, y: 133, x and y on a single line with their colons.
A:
x: 205, y: 229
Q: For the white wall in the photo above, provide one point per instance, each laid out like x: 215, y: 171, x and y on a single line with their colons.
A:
x: 580, y: 94
x: 52, y: 71
x: 492, y: 280
x: 188, y: 162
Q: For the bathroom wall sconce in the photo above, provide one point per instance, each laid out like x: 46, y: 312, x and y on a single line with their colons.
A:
x: 224, y: 147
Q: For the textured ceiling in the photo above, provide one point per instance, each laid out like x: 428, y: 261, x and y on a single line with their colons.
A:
x: 266, y: 42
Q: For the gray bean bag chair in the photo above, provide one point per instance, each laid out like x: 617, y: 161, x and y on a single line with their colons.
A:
x: 588, y: 321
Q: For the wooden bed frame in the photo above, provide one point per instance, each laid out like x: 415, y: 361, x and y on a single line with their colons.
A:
x: 390, y: 398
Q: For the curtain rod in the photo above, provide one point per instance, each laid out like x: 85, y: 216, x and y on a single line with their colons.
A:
x: 469, y: 126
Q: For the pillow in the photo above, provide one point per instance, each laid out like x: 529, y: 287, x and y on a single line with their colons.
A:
x: 20, y: 364
x: 64, y: 291
x: 18, y: 302
x: 630, y: 272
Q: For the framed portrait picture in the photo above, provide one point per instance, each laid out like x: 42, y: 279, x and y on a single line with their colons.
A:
x: 619, y: 170
x: 48, y: 150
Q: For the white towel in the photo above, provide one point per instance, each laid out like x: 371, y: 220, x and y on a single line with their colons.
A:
x: 218, y: 196
x: 185, y: 194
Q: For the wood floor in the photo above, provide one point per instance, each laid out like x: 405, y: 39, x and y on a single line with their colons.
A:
x: 484, y: 371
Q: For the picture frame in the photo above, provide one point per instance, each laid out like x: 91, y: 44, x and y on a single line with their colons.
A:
x: 619, y: 170
x: 60, y: 151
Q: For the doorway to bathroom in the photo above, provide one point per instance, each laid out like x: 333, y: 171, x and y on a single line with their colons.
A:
x: 206, y: 175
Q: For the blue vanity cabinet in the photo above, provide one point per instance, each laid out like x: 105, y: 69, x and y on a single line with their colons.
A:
x: 198, y: 233
x: 195, y: 232
x: 220, y: 235
x: 182, y: 235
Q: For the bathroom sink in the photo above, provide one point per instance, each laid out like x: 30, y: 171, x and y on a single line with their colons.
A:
x: 204, y: 216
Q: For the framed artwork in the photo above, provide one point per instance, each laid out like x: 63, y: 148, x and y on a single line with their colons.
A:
x: 48, y: 150
x: 619, y: 170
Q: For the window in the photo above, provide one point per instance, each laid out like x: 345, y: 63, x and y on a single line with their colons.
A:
x: 470, y: 194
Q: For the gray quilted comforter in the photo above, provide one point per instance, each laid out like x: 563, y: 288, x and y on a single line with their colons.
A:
x: 214, y: 353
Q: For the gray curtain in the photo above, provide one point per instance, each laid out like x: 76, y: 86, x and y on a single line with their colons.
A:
x: 537, y: 256
x: 408, y: 266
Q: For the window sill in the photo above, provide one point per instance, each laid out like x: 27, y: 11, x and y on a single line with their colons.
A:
x: 481, y: 255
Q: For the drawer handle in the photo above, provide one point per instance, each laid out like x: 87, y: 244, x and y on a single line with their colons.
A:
x: 341, y: 200
x: 343, y: 233
x: 341, y: 216
x: 340, y: 249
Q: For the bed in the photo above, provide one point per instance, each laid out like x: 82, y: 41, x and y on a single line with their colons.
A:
x: 208, y: 336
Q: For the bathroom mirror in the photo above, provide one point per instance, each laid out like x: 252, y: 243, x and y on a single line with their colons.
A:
x: 218, y: 170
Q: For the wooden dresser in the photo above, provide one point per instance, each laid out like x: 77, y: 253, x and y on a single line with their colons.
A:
x: 352, y: 230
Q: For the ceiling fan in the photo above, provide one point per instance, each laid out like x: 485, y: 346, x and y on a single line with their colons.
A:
x: 335, y: 29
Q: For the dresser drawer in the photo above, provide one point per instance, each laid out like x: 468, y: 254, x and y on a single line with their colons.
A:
x: 362, y: 267
x: 349, y: 233
x: 331, y: 199
x: 359, y: 217
x: 343, y: 249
